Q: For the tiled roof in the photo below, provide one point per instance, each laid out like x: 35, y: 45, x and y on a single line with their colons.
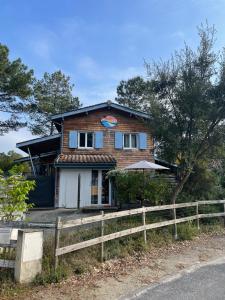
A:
x: 85, y: 158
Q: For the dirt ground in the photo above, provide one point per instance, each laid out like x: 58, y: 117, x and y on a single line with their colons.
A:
x: 116, y: 279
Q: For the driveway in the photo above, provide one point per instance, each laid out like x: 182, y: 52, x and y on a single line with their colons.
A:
x: 206, y: 283
x: 50, y: 215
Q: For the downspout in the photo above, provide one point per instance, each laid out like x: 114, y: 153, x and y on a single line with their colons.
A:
x: 31, y: 161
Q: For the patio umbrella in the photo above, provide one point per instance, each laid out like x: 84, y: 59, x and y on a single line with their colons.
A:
x: 145, y: 165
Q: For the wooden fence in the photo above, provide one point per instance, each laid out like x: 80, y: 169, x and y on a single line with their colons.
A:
x: 8, y: 241
x: 63, y: 224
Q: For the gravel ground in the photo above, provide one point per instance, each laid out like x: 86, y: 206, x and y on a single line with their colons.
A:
x: 117, y: 279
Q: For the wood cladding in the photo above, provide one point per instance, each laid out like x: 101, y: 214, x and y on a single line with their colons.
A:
x: 126, y: 123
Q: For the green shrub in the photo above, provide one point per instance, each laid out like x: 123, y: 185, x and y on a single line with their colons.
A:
x: 186, y: 231
x: 13, y: 196
x: 135, y: 187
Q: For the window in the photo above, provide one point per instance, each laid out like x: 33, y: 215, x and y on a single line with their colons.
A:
x: 86, y: 140
x: 130, y: 141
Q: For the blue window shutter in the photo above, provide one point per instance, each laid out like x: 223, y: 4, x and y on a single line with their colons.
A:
x: 118, y: 140
x: 99, y: 139
x: 143, y: 140
x: 73, y: 139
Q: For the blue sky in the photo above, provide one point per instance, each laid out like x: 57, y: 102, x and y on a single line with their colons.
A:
x: 100, y: 42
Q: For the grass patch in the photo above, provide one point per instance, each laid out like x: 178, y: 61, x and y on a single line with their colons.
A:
x: 187, y: 231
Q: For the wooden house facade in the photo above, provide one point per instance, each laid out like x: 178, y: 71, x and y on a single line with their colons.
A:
x: 90, y: 142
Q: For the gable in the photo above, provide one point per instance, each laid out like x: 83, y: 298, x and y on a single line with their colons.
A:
x: 58, y: 119
x: 105, y: 119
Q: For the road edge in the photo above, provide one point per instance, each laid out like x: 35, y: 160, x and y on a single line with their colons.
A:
x: 169, y: 278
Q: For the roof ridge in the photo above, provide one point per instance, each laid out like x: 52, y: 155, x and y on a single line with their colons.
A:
x: 98, y: 106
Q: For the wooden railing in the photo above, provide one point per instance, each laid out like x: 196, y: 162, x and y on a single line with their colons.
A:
x: 65, y: 224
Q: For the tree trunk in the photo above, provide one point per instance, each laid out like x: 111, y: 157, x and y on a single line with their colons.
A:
x: 177, y: 191
x: 179, y: 187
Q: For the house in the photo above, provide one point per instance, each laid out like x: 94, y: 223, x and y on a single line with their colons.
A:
x: 70, y: 167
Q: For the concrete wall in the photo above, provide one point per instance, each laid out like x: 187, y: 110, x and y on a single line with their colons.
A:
x: 29, y: 252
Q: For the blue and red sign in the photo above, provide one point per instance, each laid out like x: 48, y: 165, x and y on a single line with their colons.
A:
x: 109, y: 121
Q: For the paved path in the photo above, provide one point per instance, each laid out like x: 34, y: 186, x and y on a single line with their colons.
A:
x: 205, y: 283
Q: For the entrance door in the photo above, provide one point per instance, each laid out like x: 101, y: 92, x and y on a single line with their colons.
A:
x: 100, y: 188
x: 105, y: 188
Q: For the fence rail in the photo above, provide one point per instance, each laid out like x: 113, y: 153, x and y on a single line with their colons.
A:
x: 64, y: 223
x: 27, y: 225
x: 6, y: 263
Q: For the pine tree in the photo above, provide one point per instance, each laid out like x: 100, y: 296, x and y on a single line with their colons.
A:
x: 15, y: 91
x: 52, y: 95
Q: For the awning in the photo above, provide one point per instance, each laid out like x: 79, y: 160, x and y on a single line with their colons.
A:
x: 41, y: 145
x: 85, y: 160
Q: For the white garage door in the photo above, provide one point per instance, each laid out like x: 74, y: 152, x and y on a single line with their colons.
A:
x: 85, y: 188
x: 68, y: 188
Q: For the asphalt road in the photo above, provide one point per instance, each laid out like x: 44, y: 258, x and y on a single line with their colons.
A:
x: 205, y: 283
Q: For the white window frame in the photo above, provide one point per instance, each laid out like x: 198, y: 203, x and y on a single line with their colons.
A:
x: 86, y: 133
x: 130, y: 144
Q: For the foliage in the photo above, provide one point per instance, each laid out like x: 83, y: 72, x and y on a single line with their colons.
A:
x: 7, y: 163
x: 204, y: 183
x: 52, y: 95
x: 186, y: 231
x: 136, y: 187
x: 188, y: 107
x: 15, y: 91
x: 133, y: 93
x: 14, y: 192
x: 19, y: 169
x: 157, y: 190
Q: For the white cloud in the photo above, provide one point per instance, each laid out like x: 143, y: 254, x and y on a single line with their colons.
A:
x: 135, y: 30
x: 102, y: 80
x: 41, y: 47
x: 8, y: 141
x: 178, y: 34
x: 96, y: 94
x: 91, y: 69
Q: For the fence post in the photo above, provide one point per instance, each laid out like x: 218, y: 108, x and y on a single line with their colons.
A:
x: 144, y: 223
x: 102, y: 234
x: 175, y: 222
x: 197, y: 213
x: 57, y: 236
